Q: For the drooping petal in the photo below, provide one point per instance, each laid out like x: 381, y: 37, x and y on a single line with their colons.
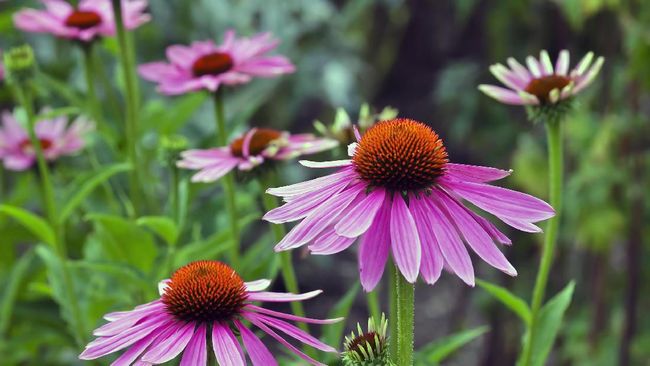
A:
x: 257, y: 351
x: 298, y: 189
x: 405, y: 242
x: 295, y: 332
x: 329, y: 242
x: 359, y: 218
x: 196, y: 353
x: 172, y: 346
x: 278, y: 314
x: 226, y: 347
x: 282, y: 297
x: 432, y: 259
x: 374, y: 248
x: 474, y: 173
x: 502, y: 94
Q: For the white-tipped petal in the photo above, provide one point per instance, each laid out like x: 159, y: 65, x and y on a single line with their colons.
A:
x: 562, y: 65
x: 583, y: 65
x: 554, y: 95
x: 533, y: 66
x: 547, y: 65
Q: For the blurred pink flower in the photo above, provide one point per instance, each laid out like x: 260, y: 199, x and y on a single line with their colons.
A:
x: 541, y: 83
x: 89, y: 20
x: 56, y: 138
x: 251, y: 150
x: 204, y: 300
x: 204, y: 65
x: 2, y: 70
x: 399, y: 194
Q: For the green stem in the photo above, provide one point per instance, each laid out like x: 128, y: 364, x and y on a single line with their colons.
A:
x: 554, y: 135
x: 228, y: 181
x: 392, y: 321
x: 374, y: 308
x: 286, y: 264
x: 404, y: 301
x: 49, y: 201
x: 130, y: 81
x: 176, y: 214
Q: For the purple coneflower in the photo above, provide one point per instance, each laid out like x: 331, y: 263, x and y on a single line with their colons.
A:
x: 541, y: 83
x: 249, y: 151
x: 204, y: 300
x: 55, y: 136
x: 205, y: 65
x: 399, y: 194
x: 85, y: 22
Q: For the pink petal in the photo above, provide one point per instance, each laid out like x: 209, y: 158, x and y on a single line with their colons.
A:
x: 432, y: 259
x: 295, y: 332
x: 278, y: 314
x: 258, y: 285
x: 226, y: 347
x: 405, y: 242
x: 474, y: 173
x: 503, y: 95
x: 301, y: 188
x: 282, y: 297
x: 172, y: 346
x: 257, y: 351
x: 374, y: 247
x: 195, y: 353
x: 329, y: 242
x: 562, y: 63
x: 359, y: 218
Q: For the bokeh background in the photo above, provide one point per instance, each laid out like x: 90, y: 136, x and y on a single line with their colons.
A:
x: 425, y: 58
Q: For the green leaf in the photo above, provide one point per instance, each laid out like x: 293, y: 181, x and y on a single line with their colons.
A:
x: 333, y: 333
x: 88, y: 186
x: 119, y: 271
x: 10, y: 294
x: 438, y: 351
x: 162, y: 226
x: 550, y: 321
x: 35, y: 224
x: 123, y: 241
x: 507, y: 298
x: 168, y: 116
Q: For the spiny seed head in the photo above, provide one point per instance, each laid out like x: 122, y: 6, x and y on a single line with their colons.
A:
x: 400, y: 155
x: 205, y: 291
x: 368, y: 348
x: 212, y: 64
x: 83, y: 19
x: 261, y: 139
x: 541, y: 87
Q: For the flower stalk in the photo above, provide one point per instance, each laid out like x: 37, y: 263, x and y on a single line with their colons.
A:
x: 228, y: 181
x: 128, y: 67
x: 555, y: 159
x: 404, y: 300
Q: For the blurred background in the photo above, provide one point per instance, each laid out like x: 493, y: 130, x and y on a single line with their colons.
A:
x: 424, y: 58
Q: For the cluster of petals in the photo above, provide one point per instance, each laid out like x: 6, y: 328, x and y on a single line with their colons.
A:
x: 203, y: 65
x: 217, y: 162
x: 56, y: 137
x: 425, y: 231
x: 152, y: 335
x: 541, y: 82
x: 85, y: 22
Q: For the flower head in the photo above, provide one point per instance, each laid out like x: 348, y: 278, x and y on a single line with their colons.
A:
x: 85, y: 22
x: 201, y: 301
x: 205, y: 65
x: 541, y: 83
x: 368, y: 348
x: 400, y: 194
x: 250, y: 150
x: 20, y: 64
x: 55, y: 136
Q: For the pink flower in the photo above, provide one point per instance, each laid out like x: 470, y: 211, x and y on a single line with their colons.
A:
x: 57, y: 139
x: 89, y: 20
x: 201, y: 299
x: 250, y: 150
x: 204, y: 65
x: 2, y: 70
x: 399, y: 194
x: 540, y: 83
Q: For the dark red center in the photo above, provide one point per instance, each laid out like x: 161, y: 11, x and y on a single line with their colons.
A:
x: 212, y: 64
x: 542, y: 87
x: 83, y: 19
x: 260, y: 140
x: 400, y: 155
x: 363, y: 341
x: 205, y: 291
x: 45, y: 144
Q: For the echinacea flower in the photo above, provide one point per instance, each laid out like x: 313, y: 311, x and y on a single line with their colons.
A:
x: 85, y: 22
x: 205, y: 65
x: 203, y: 301
x: 250, y: 150
x: 399, y: 194
x: 368, y: 348
x: 55, y: 136
x: 541, y: 83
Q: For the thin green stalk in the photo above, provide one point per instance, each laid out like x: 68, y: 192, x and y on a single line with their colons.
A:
x: 175, y: 212
x: 49, y: 201
x: 404, y: 299
x: 228, y: 181
x: 373, y: 303
x: 555, y: 159
x: 286, y: 263
x: 392, y: 321
x: 130, y: 81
